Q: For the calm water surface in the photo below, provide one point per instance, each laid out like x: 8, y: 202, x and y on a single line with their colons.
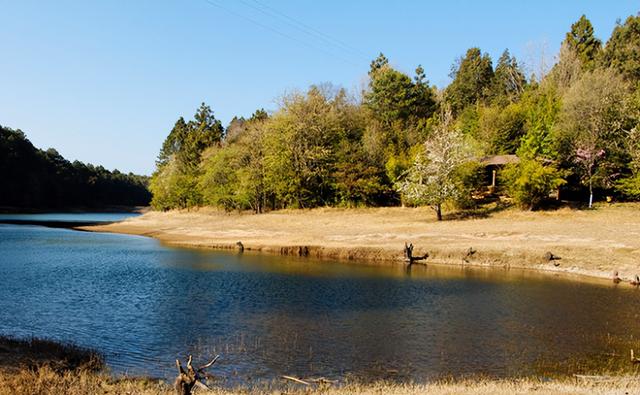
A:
x: 143, y: 305
x: 69, y: 217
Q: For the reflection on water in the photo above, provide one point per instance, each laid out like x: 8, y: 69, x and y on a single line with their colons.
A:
x: 143, y: 305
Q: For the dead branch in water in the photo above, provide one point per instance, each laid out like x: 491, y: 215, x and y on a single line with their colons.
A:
x: 408, y: 254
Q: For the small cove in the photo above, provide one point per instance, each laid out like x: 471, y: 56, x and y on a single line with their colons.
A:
x: 143, y: 305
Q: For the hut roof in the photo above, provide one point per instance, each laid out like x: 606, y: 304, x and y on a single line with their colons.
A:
x: 499, y: 160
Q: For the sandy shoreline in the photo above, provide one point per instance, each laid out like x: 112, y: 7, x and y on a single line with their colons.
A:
x: 591, y: 243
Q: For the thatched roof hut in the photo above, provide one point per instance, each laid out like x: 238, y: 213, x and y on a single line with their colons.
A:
x: 495, y: 162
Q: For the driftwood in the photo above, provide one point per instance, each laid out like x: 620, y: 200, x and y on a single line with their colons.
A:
x: 309, y: 381
x: 469, y: 254
x: 616, y: 278
x: 295, y: 380
x: 551, y: 257
x: 408, y: 254
x: 190, y: 378
x: 634, y: 359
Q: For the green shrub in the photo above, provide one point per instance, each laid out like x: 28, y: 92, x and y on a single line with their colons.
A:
x: 530, y: 182
x: 629, y: 187
x: 469, y: 177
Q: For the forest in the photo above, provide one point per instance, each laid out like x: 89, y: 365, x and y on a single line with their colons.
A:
x: 37, y: 179
x: 574, y: 128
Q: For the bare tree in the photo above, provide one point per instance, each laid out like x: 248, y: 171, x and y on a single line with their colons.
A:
x: 537, y: 60
x: 568, y: 69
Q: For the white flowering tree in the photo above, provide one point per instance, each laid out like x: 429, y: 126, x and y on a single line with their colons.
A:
x: 432, y: 179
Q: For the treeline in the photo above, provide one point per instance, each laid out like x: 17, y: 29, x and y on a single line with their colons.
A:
x: 573, y: 128
x: 33, y: 178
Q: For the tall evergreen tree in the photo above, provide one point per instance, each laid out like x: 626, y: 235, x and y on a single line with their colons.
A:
x: 394, y: 97
x: 472, y: 78
x: 204, y: 131
x: 581, y: 40
x: 175, y: 181
x: 259, y: 115
x: 173, y: 143
x: 424, y: 102
x: 378, y: 63
x: 508, y: 81
x: 622, y: 51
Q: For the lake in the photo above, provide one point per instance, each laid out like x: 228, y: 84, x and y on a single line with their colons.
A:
x: 143, y: 305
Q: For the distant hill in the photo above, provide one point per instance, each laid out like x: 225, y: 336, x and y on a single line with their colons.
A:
x: 37, y: 179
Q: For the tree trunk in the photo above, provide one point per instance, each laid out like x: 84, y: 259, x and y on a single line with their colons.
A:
x: 590, y: 195
x: 439, y: 211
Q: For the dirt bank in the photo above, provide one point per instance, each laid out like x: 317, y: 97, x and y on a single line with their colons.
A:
x: 590, y: 242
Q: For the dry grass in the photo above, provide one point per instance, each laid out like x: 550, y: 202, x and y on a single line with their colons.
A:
x: 590, y: 242
x: 43, y: 367
x: 48, y: 382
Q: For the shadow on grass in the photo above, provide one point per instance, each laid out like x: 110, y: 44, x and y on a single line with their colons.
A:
x: 16, y: 354
x: 484, y: 210
x: 487, y: 207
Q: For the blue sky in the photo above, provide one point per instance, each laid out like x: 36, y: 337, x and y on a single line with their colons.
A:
x: 104, y: 81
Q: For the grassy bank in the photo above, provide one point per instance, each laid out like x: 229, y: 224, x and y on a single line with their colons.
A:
x: 43, y: 367
x: 590, y: 242
x: 48, y: 382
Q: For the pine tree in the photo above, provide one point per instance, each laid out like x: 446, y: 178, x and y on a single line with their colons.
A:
x: 472, y: 78
x: 622, y: 51
x: 508, y: 81
x: 581, y: 40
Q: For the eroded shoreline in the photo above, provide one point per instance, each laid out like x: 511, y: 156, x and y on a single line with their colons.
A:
x: 591, y: 243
